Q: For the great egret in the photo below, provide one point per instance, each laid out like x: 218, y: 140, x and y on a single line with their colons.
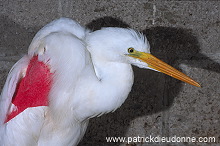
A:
x: 69, y: 76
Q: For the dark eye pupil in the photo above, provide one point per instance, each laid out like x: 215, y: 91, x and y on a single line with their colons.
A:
x: 130, y: 50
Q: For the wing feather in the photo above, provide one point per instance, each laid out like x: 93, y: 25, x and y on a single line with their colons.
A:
x: 16, y: 73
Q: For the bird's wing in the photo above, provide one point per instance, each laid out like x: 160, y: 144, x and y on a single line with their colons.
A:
x: 16, y: 73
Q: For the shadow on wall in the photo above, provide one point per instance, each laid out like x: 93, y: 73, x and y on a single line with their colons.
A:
x: 152, y: 92
x: 106, y: 22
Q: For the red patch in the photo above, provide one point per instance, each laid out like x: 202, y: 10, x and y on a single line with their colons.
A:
x: 33, y: 89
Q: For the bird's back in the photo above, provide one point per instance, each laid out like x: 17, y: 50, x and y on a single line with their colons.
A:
x: 60, y: 25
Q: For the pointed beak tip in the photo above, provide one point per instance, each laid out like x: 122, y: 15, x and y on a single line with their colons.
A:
x: 199, y: 85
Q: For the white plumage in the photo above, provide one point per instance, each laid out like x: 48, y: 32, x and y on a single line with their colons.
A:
x: 92, y: 75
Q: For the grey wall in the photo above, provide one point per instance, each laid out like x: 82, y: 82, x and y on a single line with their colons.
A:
x: 185, y: 34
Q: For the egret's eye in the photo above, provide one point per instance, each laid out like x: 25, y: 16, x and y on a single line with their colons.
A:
x: 130, y: 50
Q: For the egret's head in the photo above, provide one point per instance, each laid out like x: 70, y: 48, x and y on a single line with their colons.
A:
x: 129, y: 46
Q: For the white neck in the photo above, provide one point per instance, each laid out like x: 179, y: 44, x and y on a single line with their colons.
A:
x: 113, y: 87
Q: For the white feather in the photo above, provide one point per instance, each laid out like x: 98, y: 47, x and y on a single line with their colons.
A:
x: 16, y: 73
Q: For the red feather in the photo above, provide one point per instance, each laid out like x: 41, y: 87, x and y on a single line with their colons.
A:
x: 33, y: 89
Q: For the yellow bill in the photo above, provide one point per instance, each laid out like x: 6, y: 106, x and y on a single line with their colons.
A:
x: 163, y: 67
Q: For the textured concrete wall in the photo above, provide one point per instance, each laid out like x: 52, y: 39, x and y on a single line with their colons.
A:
x: 185, y: 34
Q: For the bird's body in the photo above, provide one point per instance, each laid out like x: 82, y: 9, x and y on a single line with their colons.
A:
x: 72, y: 92
x: 85, y: 74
